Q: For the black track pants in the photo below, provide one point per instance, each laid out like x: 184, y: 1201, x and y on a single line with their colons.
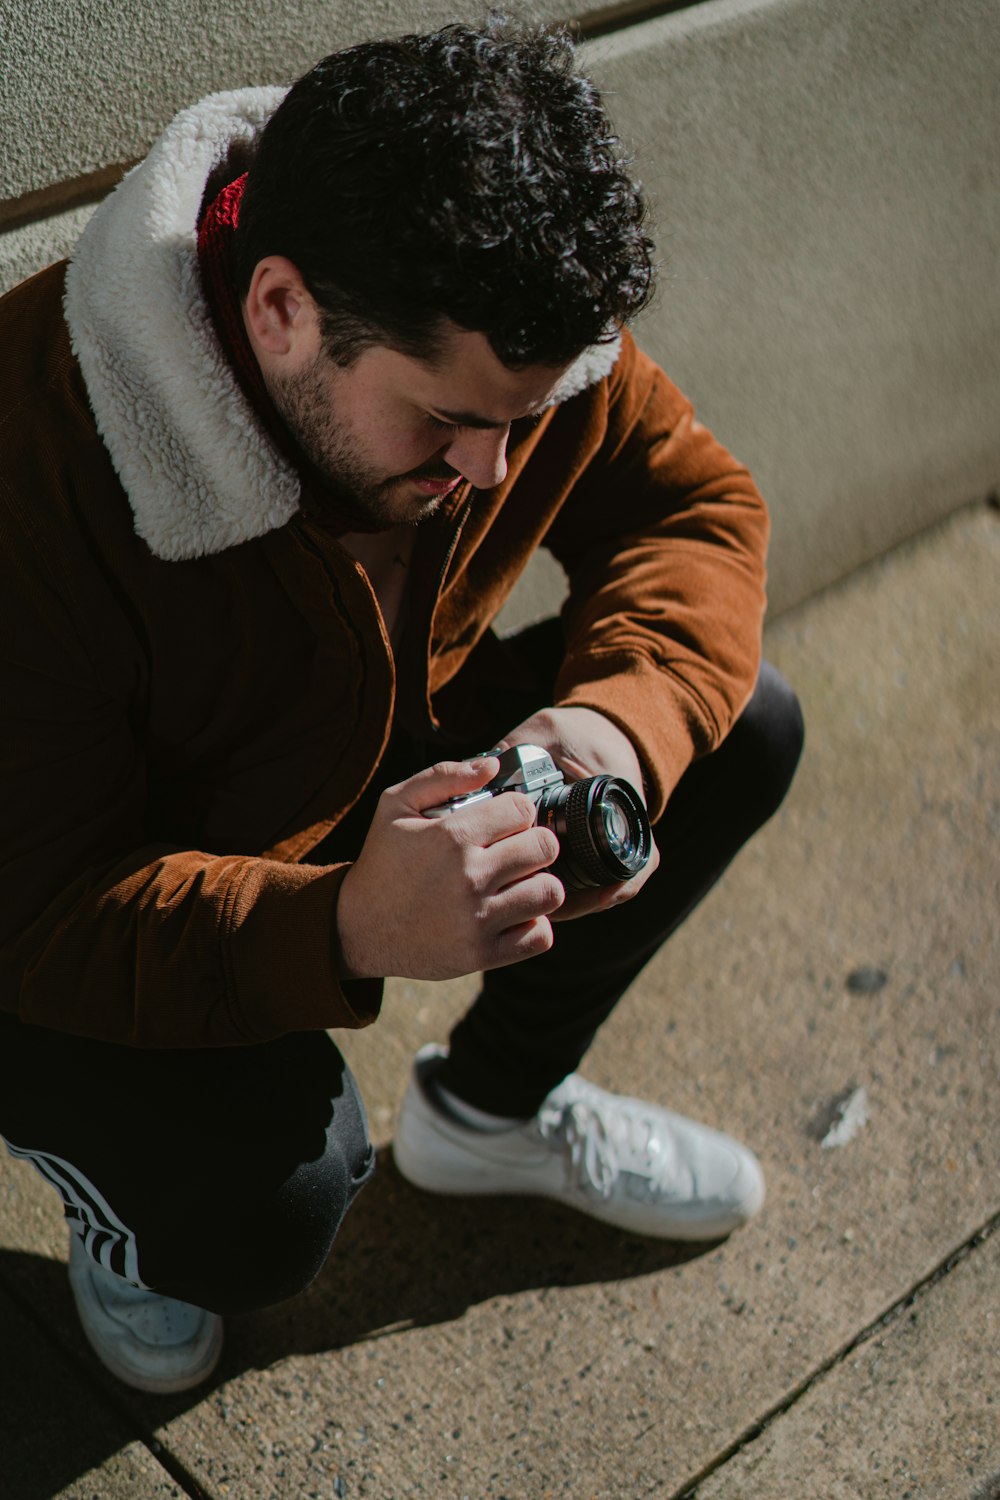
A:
x: 217, y: 1176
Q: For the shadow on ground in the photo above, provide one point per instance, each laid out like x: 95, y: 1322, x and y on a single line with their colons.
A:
x: 403, y: 1259
x: 406, y: 1258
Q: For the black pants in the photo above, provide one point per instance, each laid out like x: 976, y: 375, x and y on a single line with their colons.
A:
x: 222, y: 1176
x: 219, y: 1176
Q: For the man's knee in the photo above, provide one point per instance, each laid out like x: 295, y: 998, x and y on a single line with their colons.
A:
x: 262, y: 1230
x: 769, y: 736
x: 263, y: 1252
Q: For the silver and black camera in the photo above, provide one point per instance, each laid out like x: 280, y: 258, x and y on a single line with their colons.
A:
x: 600, y: 822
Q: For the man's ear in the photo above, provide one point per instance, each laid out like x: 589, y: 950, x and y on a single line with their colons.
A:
x: 281, y: 318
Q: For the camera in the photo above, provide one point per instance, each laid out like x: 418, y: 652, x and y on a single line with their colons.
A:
x: 600, y: 822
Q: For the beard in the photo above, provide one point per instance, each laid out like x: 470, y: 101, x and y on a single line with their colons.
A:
x: 303, y: 402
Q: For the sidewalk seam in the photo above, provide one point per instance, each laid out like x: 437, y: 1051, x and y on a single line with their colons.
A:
x: 954, y: 1258
x: 94, y: 1382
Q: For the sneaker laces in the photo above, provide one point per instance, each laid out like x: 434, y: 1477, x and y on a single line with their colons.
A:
x: 604, y: 1138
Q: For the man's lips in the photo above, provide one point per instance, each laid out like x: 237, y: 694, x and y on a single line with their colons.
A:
x: 435, y: 485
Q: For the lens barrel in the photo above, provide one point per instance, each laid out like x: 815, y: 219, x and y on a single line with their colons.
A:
x: 603, y: 831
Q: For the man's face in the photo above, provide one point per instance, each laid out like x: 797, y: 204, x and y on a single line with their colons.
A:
x: 395, y: 435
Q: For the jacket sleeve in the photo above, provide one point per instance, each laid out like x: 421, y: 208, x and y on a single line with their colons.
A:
x: 663, y: 542
x: 102, y: 933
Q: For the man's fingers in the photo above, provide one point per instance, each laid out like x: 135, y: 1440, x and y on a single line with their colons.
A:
x: 439, y: 783
x: 604, y: 898
x: 497, y: 819
x: 488, y: 821
x: 524, y: 940
x: 537, y: 895
x: 583, y: 904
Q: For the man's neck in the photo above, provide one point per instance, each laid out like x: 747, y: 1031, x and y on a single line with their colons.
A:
x: 385, y: 557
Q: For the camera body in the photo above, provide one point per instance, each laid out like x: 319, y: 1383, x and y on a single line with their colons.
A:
x: 600, y: 822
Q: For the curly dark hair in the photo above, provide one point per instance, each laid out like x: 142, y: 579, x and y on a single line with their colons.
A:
x: 468, y: 174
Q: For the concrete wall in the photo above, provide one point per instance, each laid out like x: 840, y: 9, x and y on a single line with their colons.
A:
x: 826, y: 185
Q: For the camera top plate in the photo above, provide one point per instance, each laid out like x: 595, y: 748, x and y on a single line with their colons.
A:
x: 523, y: 768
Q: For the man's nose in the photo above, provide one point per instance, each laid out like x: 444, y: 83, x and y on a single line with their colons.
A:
x: 480, y: 454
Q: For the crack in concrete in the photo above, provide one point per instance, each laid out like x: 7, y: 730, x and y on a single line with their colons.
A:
x: 119, y: 1405
x: 920, y: 1289
x: 173, y: 1466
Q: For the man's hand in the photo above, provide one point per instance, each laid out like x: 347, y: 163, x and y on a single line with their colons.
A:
x: 433, y: 898
x: 582, y: 742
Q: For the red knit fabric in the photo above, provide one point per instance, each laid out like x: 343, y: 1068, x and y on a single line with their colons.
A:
x: 215, y: 238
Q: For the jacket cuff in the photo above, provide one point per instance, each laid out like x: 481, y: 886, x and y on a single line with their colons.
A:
x: 665, y: 727
x: 281, y: 958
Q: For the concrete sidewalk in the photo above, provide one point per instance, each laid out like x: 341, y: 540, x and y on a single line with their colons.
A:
x: 834, y: 1002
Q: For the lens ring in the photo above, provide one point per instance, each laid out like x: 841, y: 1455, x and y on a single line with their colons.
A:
x: 585, y: 842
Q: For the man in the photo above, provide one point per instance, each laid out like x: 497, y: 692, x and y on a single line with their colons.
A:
x: 329, y: 368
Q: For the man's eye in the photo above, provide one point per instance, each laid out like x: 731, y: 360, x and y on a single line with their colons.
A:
x: 440, y: 425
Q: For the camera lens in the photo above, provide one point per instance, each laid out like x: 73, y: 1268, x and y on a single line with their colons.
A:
x: 619, y: 828
x: 602, y: 828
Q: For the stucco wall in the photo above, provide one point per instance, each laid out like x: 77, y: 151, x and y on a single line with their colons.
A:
x: 826, y: 189
x: 827, y: 180
x: 84, y: 84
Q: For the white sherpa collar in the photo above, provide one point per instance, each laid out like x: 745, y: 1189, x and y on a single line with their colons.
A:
x: 200, y: 472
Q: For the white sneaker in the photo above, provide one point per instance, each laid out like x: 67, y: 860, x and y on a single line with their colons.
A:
x: 151, y: 1342
x: 632, y: 1164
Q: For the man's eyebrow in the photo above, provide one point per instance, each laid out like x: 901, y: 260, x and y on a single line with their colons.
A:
x: 467, y: 419
x: 474, y: 419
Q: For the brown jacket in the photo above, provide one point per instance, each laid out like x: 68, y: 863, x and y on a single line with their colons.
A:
x: 187, y: 713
